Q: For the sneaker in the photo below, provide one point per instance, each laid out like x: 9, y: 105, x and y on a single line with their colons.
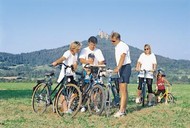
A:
x: 119, y: 114
x: 137, y: 100
x: 83, y: 109
x: 150, y: 104
x: 69, y: 111
x: 96, y: 109
x: 159, y: 99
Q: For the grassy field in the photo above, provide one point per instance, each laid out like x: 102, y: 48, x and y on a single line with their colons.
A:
x: 16, y: 112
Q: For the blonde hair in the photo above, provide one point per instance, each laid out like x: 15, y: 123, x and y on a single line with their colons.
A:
x: 75, y: 44
x: 147, y: 45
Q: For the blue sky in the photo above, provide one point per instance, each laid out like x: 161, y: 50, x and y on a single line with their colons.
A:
x: 31, y: 25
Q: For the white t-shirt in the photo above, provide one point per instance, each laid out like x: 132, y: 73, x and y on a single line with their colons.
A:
x: 147, y: 62
x: 97, y: 53
x: 70, y: 60
x: 121, y: 48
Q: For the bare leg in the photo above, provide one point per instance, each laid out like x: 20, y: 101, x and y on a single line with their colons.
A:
x: 139, y: 93
x: 150, y: 96
x: 64, y: 104
x: 124, y: 96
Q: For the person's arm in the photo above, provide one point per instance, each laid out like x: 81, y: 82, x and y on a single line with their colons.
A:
x: 84, y: 61
x: 167, y: 82
x: 101, y: 63
x: 154, y: 67
x: 121, y: 61
x: 100, y: 57
x: 138, y: 66
x: 139, y: 62
x: 58, y: 61
x: 75, y: 66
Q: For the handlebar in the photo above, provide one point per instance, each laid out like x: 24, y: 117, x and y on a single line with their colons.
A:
x: 91, y: 66
x: 66, y: 66
x: 145, y: 70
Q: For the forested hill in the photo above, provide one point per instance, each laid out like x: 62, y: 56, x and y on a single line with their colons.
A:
x: 44, y: 57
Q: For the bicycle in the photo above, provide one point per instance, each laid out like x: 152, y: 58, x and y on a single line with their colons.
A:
x: 166, y: 97
x: 143, y: 86
x: 43, y: 95
x: 93, y: 94
x: 111, y: 92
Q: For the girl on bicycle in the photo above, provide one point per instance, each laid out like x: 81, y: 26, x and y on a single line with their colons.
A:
x: 160, y: 85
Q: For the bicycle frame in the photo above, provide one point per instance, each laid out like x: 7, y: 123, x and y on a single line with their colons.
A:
x: 166, y: 94
x: 94, y: 87
x: 144, y: 83
x: 46, y: 86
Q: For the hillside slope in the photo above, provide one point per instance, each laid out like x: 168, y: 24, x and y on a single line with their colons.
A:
x: 13, y: 64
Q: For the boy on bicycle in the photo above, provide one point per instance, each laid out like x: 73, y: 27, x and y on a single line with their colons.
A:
x: 160, y: 85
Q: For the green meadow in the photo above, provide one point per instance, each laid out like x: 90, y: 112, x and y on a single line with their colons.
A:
x: 16, y: 111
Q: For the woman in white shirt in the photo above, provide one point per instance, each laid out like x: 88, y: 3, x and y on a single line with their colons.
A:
x: 69, y: 58
x: 147, y: 61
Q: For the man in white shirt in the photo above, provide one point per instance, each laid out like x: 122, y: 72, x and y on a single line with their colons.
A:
x: 86, y: 54
x: 91, y: 49
x: 123, y: 68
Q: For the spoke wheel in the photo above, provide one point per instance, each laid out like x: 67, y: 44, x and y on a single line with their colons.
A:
x: 170, y: 98
x: 40, y: 98
x: 68, y: 100
x: 96, y: 101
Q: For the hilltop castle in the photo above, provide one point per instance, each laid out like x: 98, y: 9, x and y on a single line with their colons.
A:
x: 103, y: 34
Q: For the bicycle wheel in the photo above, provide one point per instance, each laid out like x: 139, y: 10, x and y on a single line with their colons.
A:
x: 116, y: 98
x: 40, y: 98
x: 96, y: 101
x: 68, y: 100
x: 54, y: 106
x: 108, y: 101
x: 170, y: 98
x: 143, y: 93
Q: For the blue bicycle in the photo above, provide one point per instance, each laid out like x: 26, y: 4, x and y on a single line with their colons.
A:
x: 112, y: 98
x: 92, y: 90
x: 143, y: 85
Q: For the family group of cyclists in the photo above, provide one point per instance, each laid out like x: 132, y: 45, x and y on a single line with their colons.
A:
x: 94, y: 56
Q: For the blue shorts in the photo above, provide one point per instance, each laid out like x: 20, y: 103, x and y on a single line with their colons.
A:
x: 125, y: 73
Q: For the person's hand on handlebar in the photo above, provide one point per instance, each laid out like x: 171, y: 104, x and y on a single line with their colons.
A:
x: 54, y: 63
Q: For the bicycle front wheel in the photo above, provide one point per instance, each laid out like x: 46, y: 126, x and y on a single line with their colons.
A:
x: 108, y: 101
x: 68, y: 100
x: 143, y: 94
x: 96, y: 100
x: 40, y: 97
x: 170, y: 98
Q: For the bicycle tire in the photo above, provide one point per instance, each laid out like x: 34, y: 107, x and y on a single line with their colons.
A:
x: 96, y: 106
x: 143, y: 94
x: 116, y: 98
x: 54, y: 106
x: 73, y: 98
x: 40, y: 98
x: 108, y: 101
x: 170, y: 98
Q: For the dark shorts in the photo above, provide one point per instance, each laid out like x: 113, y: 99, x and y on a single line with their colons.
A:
x: 125, y: 73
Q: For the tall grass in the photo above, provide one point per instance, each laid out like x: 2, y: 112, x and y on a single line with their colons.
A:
x: 16, y: 112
